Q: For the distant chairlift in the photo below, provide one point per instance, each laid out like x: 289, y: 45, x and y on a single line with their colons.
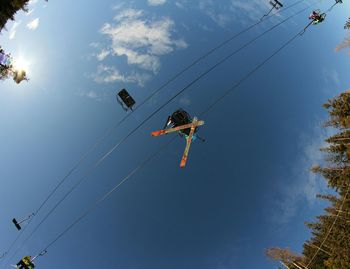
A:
x: 275, y: 5
x: 27, y: 262
x: 316, y: 17
x: 125, y: 100
x: 18, y: 223
x: 336, y: 2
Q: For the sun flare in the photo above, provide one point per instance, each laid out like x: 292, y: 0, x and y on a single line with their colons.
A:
x: 21, y: 63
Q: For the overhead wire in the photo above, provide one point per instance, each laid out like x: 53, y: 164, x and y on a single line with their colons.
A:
x: 75, y: 222
x: 109, y: 152
x: 235, y: 86
x: 336, y: 2
x: 148, y: 118
x: 109, y: 131
x: 105, y: 196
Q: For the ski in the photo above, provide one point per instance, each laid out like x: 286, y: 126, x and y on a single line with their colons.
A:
x: 175, y: 129
x: 188, y: 143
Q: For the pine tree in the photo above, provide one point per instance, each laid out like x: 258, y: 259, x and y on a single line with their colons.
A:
x: 347, y: 24
x: 286, y: 257
x: 329, y: 245
x: 8, y: 9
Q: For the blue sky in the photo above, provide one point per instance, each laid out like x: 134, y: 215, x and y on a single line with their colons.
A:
x: 248, y: 187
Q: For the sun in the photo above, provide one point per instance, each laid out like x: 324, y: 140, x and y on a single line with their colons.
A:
x: 21, y: 63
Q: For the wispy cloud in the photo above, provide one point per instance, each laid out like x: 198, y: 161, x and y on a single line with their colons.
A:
x: 216, y: 12
x: 109, y: 74
x: 141, y: 40
x: 95, y: 45
x: 253, y: 10
x: 13, y: 29
x: 331, y: 76
x: 97, y: 95
x: 102, y: 54
x: 180, y: 4
x: 32, y: 25
x: 156, y: 2
x: 233, y: 10
x: 302, y: 185
x: 90, y: 94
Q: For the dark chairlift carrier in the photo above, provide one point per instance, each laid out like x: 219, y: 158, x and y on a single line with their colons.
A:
x: 125, y: 100
x: 27, y: 262
x: 275, y: 5
x: 18, y: 223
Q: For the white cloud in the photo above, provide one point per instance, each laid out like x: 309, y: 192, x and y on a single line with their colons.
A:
x: 95, y: 45
x: 141, y: 40
x: 128, y: 14
x: 33, y: 24
x: 95, y: 95
x: 13, y: 29
x: 216, y: 12
x: 118, y: 6
x: 156, y: 2
x: 102, y: 54
x: 179, y: 4
x: 91, y: 94
x: 109, y: 74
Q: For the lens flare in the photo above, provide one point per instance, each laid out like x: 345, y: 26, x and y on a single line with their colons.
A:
x: 20, y: 64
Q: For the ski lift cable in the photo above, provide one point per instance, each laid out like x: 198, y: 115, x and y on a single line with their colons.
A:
x: 80, y: 161
x: 111, y: 191
x: 4, y: 257
x: 249, y: 74
x: 150, y: 116
x: 336, y: 2
x: 109, y: 131
x: 208, y: 53
x: 252, y: 71
x: 153, y: 155
x: 117, y: 145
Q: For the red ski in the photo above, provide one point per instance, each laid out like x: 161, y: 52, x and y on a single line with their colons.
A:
x: 180, y: 118
x: 188, y: 143
x: 175, y: 129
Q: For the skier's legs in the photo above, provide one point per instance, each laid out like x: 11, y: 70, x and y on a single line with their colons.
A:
x: 21, y: 265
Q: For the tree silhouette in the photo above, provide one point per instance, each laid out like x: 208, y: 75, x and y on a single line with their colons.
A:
x: 329, y: 245
x: 347, y: 24
x: 8, y: 9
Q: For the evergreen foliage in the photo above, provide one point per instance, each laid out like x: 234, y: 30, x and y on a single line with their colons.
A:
x: 8, y: 9
x: 347, y: 24
x: 329, y: 245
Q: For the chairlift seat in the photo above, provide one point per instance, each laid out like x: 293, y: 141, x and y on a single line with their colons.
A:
x: 127, y: 100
